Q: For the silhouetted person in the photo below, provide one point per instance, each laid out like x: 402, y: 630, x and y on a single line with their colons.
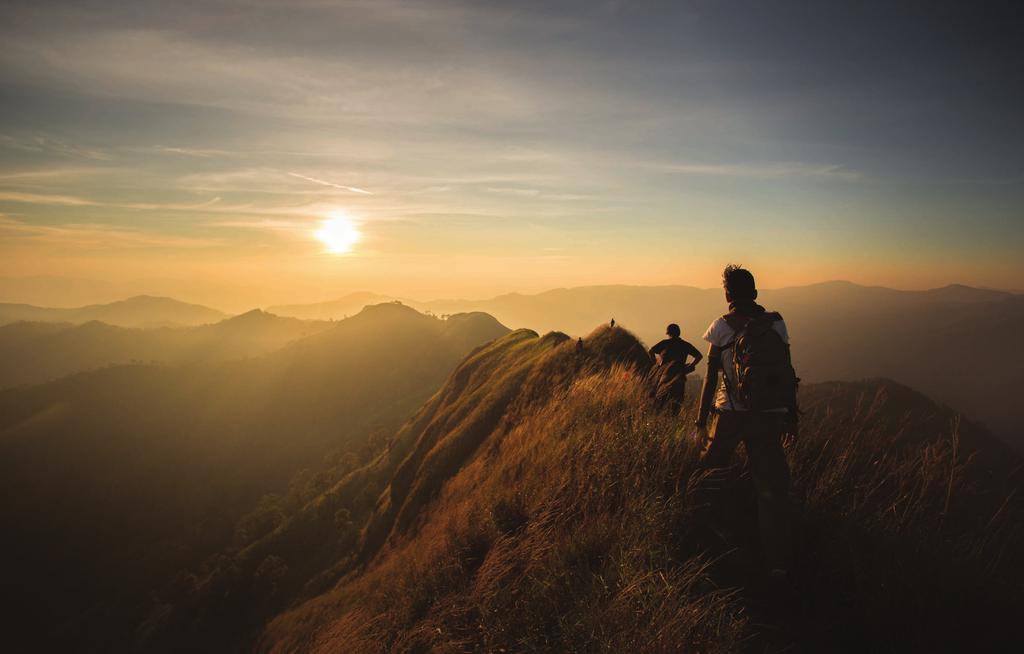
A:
x: 579, y: 345
x: 671, y: 355
x: 755, y: 403
x: 612, y: 323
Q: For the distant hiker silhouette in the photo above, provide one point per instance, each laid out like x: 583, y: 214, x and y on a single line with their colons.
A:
x: 671, y: 354
x: 755, y: 404
x: 579, y: 346
x: 612, y: 323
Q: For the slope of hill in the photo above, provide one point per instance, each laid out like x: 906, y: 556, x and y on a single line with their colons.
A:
x: 345, y: 306
x: 940, y: 341
x: 139, y: 311
x: 37, y: 352
x: 147, y: 469
x: 537, y: 503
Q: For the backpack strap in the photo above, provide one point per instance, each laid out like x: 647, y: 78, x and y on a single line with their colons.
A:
x: 736, y: 322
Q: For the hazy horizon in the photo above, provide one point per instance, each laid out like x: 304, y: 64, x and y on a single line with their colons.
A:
x: 63, y: 292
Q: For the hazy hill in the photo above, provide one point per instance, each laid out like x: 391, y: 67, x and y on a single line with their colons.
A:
x: 939, y: 341
x: 537, y: 503
x: 146, y: 469
x: 139, y: 311
x: 339, y: 309
x: 35, y: 352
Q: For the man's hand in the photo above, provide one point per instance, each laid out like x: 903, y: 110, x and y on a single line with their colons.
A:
x: 791, y: 427
x: 700, y: 433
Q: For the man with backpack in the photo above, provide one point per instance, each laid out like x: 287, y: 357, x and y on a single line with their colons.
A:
x: 755, y: 404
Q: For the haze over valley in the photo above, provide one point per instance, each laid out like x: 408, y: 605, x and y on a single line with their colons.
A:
x: 840, y: 331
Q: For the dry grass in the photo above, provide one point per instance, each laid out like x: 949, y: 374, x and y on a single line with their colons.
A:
x: 566, y: 528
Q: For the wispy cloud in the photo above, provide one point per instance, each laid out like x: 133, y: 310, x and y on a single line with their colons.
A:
x: 93, y: 235
x: 767, y: 170
x: 75, y: 201
x: 41, y: 198
x: 50, y: 145
x: 265, y: 224
x: 322, y: 182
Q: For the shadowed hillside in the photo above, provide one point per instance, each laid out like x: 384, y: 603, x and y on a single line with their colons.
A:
x: 148, y: 469
x: 537, y: 503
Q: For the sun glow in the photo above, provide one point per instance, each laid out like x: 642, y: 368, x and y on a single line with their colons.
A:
x: 338, y: 232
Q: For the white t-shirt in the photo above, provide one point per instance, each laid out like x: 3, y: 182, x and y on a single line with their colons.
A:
x: 720, y: 334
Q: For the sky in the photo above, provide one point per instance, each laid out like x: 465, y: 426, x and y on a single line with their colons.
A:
x: 476, y: 148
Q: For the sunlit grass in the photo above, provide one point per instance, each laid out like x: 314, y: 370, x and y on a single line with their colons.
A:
x: 569, y: 528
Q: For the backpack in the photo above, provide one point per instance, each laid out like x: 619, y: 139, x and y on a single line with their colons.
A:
x: 761, y: 362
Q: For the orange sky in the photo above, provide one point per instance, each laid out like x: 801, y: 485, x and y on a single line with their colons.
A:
x: 482, y: 149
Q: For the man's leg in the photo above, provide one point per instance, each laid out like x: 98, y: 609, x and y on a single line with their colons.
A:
x: 770, y: 470
x: 678, y: 390
x: 706, y: 482
x: 706, y: 485
x: 722, y: 440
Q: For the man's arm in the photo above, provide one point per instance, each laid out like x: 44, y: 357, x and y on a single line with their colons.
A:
x: 656, y: 349
x: 707, y: 391
x: 697, y: 356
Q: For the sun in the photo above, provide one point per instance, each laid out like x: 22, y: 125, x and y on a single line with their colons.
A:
x: 338, y: 232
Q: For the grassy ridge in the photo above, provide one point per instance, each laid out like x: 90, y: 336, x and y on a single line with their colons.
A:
x: 572, y: 525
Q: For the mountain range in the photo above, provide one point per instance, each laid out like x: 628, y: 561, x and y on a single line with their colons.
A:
x: 138, y: 311
x: 36, y: 352
x: 940, y: 341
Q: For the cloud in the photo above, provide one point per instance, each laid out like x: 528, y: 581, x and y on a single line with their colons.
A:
x: 75, y: 201
x: 40, y: 198
x: 265, y: 224
x: 767, y: 170
x: 321, y: 182
x: 94, y: 235
x: 47, y: 144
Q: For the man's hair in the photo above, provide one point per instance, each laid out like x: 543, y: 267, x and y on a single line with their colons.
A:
x: 673, y: 330
x: 739, y: 283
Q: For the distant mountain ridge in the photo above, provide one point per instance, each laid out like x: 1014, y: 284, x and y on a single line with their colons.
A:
x: 138, y: 311
x: 338, y: 309
x: 940, y: 341
x: 35, y: 352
